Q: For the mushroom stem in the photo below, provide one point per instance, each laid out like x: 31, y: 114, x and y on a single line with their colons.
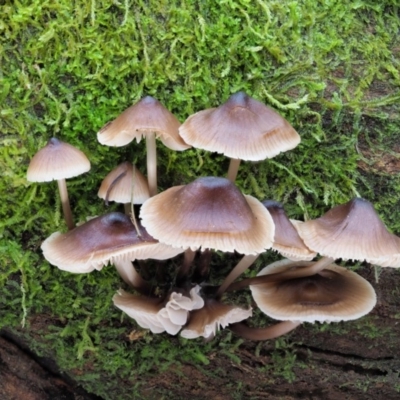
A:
x: 203, y: 267
x: 188, y: 258
x: 243, y: 264
x: 128, y: 273
x: 270, y: 332
x: 300, y: 272
x: 151, y: 163
x: 233, y: 169
x: 62, y: 187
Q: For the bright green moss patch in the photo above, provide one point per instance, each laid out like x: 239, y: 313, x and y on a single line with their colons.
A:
x: 66, y: 68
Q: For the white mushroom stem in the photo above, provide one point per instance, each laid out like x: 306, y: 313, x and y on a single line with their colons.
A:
x: 62, y: 187
x: 299, y: 272
x: 271, y: 332
x: 128, y: 273
x: 243, y: 264
x: 233, y: 169
x: 151, y: 163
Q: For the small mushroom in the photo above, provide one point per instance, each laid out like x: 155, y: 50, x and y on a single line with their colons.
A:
x: 242, y: 128
x: 150, y: 119
x: 124, y: 184
x: 58, y: 161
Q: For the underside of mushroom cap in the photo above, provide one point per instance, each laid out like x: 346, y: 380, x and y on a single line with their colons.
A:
x: 57, y: 160
x: 352, y: 231
x: 206, y: 321
x: 241, y: 128
x: 209, y: 213
x: 335, y: 294
x: 102, y: 240
x: 146, y: 116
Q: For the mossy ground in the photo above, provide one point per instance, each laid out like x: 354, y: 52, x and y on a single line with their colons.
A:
x: 66, y: 68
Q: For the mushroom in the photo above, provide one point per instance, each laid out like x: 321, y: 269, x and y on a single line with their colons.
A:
x: 209, y: 213
x: 158, y: 314
x: 242, y: 128
x: 334, y: 294
x: 125, y: 184
x: 352, y: 231
x: 58, y: 161
x: 208, y: 320
x: 148, y: 118
x: 110, y: 238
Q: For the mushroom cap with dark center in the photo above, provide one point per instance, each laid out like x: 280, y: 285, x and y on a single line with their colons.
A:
x: 287, y: 240
x: 352, y: 231
x: 117, y: 185
x: 241, y: 128
x: 209, y: 213
x: 57, y: 160
x: 101, y: 240
x: 334, y: 294
x: 146, y: 116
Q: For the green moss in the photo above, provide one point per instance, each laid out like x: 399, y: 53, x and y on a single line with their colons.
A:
x: 68, y: 68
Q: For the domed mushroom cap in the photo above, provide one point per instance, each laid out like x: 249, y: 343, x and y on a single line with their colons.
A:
x: 241, y: 128
x: 147, y: 115
x: 209, y: 213
x: 208, y: 320
x: 57, y: 160
x: 335, y: 294
x: 287, y: 240
x: 100, y: 241
x: 352, y: 231
x: 117, y: 185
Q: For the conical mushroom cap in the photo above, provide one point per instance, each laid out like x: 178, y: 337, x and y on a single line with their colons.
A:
x: 209, y: 213
x: 287, y: 240
x: 146, y: 116
x: 57, y: 160
x: 352, y: 231
x: 116, y: 186
x: 100, y: 241
x: 335, y: 294
x: 241, y: 128
x: 208, y: 320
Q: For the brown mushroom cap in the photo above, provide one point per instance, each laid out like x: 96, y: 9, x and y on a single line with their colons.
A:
x: 241, y: 128
x: 335, y: 294
x: 287, y: 240
x: 116, y: 186
x: 100, y: 241
x: 209, y: 213
x: 352, y: 231
x: 146, y: 116
x: 57, y: 160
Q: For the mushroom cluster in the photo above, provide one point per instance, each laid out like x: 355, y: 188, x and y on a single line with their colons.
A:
x: 212, y: 214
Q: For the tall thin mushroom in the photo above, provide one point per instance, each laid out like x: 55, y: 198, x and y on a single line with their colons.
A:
x: 58, y: 161
x: 150, y: 119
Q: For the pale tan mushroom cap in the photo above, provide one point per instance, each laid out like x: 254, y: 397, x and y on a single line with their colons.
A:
x: 287, y: 240
x: 100, y: 241
x: 208, y: 320
x: 352, y: 231
x: 209, y: 213
x: 146, y: 116
x: 335, y: 294
x: 118, y: 185
x: 241, y: 128
x: 57, y: 160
